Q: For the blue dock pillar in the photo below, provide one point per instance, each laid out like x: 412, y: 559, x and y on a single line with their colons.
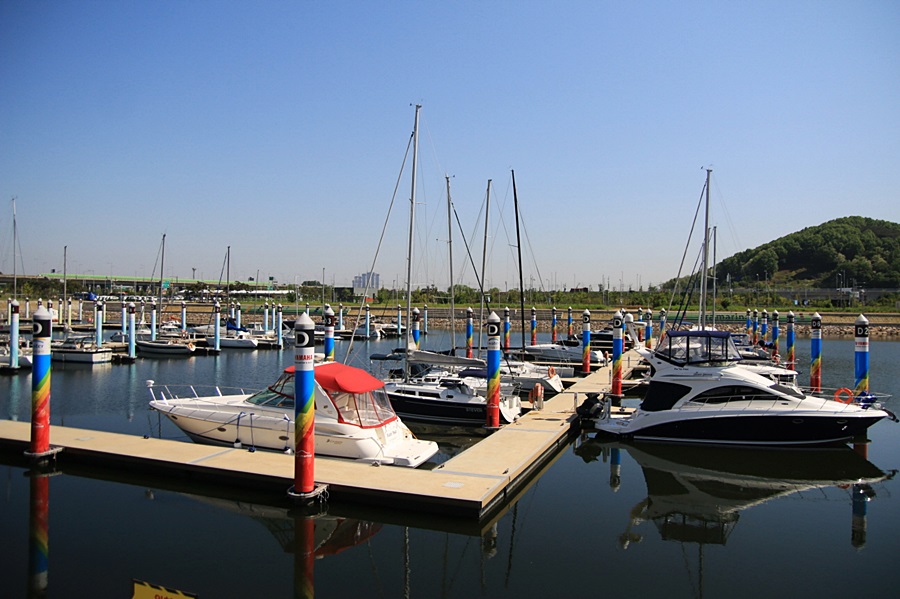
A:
x: 329, y: 334
x: 586, y: 341
x: 748, y: 327
x: 553, y: 324
x: 304, y: 406
x: 217, y: 334
x: 153, y: 320
x: 755, y: 327
x: 775, y: 332
x: 98, y: 324
x: 415, y: 326
x: 640, y: 329
x: 132, y: 354
x: 14, y: 335
x: 368, y: 321
x: 571, y: 328
x: 764, y: 326
x: 278, y: 326
x: 648, y: 331
x: 400, y: 321
x: 183, y: 317
x: 861, y: 334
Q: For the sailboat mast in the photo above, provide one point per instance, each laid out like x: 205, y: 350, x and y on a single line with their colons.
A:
x: 15, y: 247
x: 452, y: 291
x: 715, y: 281
x: 487, y: 212
x: 66, y: 287
x: 704, y: 274
x: 227, y: 273
x: 519, y: 247
x: 412, y: 223
x: 162, y: 265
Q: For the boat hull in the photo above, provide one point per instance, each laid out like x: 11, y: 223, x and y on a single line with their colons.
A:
x: 81, y: 357
x: 442, y: 411
x: 742, y: 429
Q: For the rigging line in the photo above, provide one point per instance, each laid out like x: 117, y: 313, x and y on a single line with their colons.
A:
x: 533, y: 257
x: 731, y: 228
x: 686, y: 246
x: 387, y: 218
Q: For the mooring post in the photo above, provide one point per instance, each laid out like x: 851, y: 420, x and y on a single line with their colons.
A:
x: 329, y: 334
x: 493, y: 371
x: 279, y: 322
x: 131, y: 333
x: 506, y: 328
x: 304, y: 405
x: 586, y: 341
x: 152, y: 320
x: 14, y: 335
x: 368, y: 321
x: 217, y: 309
x: 533, y: 326
x: 775, y: 332
x: 815, y: 353
x: 553, y: 324
x: 861, y: 334
x: 415, y: 326
x: 618, y: 343
x: 98, y: 325
x: 183, y: 317
x: 469, y: 331
x: 42, y: 333
x: 571, y: 328
x: 755, y: 326
x: 791, y: 356
x: 648, y: 331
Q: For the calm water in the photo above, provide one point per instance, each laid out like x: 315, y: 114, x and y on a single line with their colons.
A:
x: 601, y: 520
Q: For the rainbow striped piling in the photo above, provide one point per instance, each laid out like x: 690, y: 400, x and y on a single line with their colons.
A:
x: 815, y: 353
x: 533, y: 326
x: 329, y: 334
x: 304, y: 405
x: 493, y: 372
x: 571, y: 329
x: 586, y: 341
x: 469, y: 331
x: 861, y: 335
x: 42, y: 332
x: 648, y: 333
x: 755, y: 326
x: 506, y: 327
x: 553, y: 324
x: 39, y: 534
x: 791, y: 357
x: 415, y: 327
x: 764, y: 326
x: 618, y: 323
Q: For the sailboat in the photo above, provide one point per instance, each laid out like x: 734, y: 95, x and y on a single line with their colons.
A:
x: 699, y: 392
x: 438, y: 399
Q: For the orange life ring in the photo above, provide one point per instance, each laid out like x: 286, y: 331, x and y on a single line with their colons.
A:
x: 190, y: 345
x: 551, y: 372
x: 843, y: 392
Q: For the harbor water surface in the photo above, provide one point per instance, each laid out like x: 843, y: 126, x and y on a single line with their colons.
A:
x: 601, y: 519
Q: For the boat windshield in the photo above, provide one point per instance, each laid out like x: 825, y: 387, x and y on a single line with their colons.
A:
x: 366, y: 410
x: 278, y: 395
x: 697, y: 347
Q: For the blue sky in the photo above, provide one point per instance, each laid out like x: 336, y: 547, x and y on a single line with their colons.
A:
x: 279, y: 129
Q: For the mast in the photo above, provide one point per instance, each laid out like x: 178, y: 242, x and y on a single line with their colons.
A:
x: 705, y: 261
x: 15, y: 246
x: 452, y: 291
x: 227, y: 273
x: 162, y: 264
x: 487, y: 212
x: 412, y: 223
x: 519, y: 247
x: 65, y: 290
x: 715, y: 280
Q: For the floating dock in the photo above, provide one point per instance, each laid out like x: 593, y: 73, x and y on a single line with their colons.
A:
x: 474, y: 484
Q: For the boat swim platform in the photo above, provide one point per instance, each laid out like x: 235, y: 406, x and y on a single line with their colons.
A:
x: 475, y: 484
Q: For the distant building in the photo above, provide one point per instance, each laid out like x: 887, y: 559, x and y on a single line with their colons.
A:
x: 370, y: 280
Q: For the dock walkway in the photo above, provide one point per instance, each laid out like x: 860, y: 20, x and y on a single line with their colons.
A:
x: 472, y: 484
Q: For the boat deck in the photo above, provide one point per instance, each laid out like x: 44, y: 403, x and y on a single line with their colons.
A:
x: 472, y: 484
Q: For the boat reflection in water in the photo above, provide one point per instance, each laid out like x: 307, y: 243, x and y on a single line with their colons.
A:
x: 695, y: 494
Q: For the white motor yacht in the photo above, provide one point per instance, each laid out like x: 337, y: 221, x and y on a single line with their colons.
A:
x: 353, y: 417
x: 699, y: 392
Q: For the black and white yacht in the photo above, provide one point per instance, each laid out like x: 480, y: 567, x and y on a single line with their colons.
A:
x: 699, y: 392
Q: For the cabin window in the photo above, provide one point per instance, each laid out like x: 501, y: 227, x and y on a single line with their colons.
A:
x: 728, y: 393
x: 662, y: 396
x: 363, y: 409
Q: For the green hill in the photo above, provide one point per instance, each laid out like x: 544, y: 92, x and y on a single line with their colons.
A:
x: 840, y: 252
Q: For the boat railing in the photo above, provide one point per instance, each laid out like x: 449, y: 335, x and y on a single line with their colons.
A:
x: 184, y: 391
